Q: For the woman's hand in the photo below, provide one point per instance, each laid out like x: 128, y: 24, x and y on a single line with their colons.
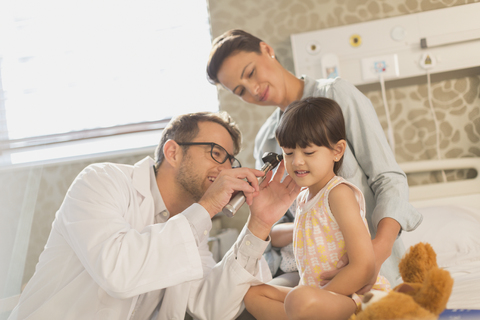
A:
x: 387, y: 232
x: 327, y: 276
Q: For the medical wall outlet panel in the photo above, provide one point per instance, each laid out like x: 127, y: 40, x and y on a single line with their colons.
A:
x: 399, y: 47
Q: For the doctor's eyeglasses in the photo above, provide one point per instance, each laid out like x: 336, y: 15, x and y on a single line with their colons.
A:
x: 218, y: 153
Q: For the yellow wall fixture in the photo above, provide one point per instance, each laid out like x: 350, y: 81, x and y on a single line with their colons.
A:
x: 355, y: 40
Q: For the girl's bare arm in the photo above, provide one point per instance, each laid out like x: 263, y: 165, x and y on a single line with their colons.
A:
x: 361, y: 267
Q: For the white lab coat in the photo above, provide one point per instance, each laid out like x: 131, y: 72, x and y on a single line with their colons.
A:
x: 104, y: 250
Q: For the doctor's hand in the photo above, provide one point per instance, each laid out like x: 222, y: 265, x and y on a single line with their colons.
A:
x: 226, y: 184
x: 270, y: 205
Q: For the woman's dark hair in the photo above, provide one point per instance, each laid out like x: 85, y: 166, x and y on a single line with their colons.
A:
x: 316, y: 121
x: 225, y: 45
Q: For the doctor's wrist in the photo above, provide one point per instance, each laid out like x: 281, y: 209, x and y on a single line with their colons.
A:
x: 259, y: 228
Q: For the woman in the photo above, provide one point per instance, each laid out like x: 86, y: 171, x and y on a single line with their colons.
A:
x: 247, y: 67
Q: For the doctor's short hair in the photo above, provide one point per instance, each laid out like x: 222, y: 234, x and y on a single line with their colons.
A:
x: 312, y: 120
x: 223, y: 46
x: 184, y: 128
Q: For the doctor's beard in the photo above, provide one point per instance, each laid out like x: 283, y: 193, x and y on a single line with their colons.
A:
x: 190, y: 181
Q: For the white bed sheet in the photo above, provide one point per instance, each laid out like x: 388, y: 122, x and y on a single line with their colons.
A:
x: 466, y: 286
x: 451, y: 225
x: 454, y: 233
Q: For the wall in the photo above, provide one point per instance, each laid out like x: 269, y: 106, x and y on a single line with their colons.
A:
x: 456, y: 96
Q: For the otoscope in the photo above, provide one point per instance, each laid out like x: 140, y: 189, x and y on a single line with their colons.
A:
x: 271, y: 160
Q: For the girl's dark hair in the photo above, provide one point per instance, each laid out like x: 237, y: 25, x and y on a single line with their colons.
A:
x: 225, y: 45
x: 312, y: 120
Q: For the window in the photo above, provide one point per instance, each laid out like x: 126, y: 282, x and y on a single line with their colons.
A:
x: 72, y: 70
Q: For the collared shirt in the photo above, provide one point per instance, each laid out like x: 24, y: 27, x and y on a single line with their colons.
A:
x: 368, y: 161
x: 147, y: 303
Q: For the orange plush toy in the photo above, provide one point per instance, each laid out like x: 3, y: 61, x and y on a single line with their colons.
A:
x: 423, y: 295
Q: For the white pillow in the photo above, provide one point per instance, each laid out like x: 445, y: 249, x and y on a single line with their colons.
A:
x: 453, y: 231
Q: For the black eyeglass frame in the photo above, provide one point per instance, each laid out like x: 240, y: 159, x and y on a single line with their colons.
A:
x: 212, y: 145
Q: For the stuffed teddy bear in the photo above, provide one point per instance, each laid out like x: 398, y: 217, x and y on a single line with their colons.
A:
x: 423, y: 294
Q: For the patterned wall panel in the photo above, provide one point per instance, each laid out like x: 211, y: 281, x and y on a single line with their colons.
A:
x: 456, y: 103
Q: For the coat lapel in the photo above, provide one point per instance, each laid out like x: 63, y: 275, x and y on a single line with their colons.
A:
x: 141, y: 183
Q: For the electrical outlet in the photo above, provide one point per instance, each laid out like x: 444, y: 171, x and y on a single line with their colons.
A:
x: 374, y: 66
x: 428, y: 61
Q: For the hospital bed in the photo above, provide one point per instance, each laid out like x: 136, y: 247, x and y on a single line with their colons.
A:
x: 451, y: 223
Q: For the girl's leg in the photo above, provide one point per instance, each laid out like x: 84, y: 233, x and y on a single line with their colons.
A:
x: 265, y: 302
x: 305, y: 302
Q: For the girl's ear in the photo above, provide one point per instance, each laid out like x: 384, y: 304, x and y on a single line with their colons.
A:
x: 339, y: 149
x: 173, y: 153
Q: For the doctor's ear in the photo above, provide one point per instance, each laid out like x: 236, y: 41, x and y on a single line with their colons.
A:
x: 173, y: 152
x: 339, y: 149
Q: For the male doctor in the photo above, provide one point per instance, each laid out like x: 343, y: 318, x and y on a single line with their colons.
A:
x: 130, y: 242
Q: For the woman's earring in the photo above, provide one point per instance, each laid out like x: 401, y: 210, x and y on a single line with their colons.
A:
x: 273, y: 57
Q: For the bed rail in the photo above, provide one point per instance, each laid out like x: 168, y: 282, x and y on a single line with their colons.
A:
x: 460, y: 191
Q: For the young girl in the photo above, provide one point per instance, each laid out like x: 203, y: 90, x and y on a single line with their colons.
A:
x: 329, y: 221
